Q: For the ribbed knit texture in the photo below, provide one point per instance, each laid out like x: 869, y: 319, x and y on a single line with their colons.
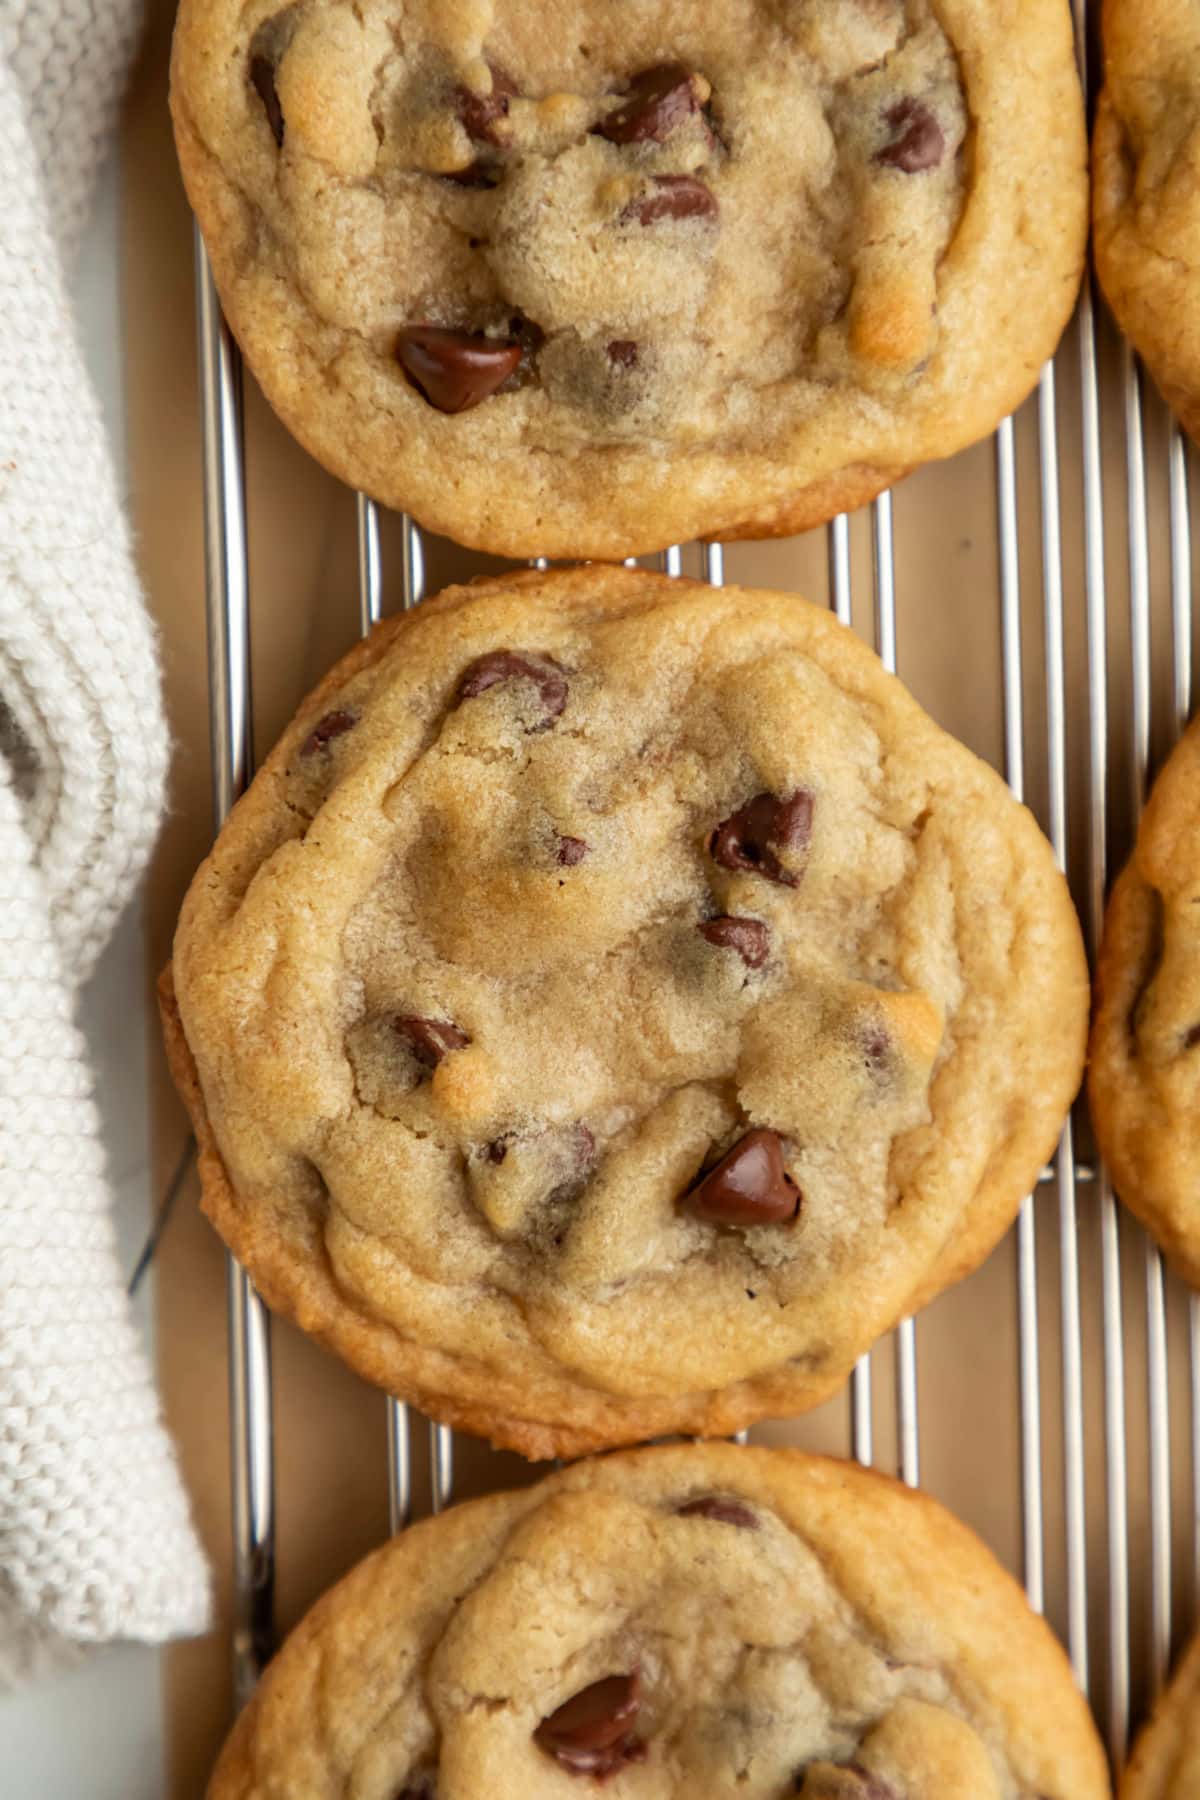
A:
x: 96, y: 1540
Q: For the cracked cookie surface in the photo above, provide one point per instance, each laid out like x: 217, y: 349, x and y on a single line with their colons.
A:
x: 681, y: 1621
x: 1165, y: 1764
x: 583, y: 280
x: 1146, y: 189
x: 615, y: 1003
x: 1144, y: 1065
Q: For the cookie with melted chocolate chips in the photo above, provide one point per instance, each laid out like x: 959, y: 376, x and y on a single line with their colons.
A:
x: 589, y: 283
x: 689, y: 1623
x: 615, y: 1003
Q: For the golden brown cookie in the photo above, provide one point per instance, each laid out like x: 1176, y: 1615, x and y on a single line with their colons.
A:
x: 1146, y: 189
x: 615, y: 1003
x: 1165, y: 1764
x: 685, y: 1621
x: 1144, y: 1075
x: 584, y: 279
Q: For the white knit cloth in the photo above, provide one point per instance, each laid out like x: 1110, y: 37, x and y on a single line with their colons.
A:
x: 96, y: 1540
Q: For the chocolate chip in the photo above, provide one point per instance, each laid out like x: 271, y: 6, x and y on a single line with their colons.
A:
x: 571, y: 851
x: 656, y: 103
x: 331, y: 726
x: 623, y: 352
x: 481, y: 113
x: 750, y: 837
x: 916, y: 143
x: 672, y: 197
x: 1191, y: 1037
x: 262, y: 80
x: 455, y: 370
x: 592, y: 1732
x: 749, y: 937
x: 722, y: 1509
x: 749, y: 1186
x: 490, y: 670
x: 430, y: 1039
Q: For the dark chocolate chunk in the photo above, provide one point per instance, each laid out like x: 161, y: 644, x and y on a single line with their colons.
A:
x: 672, y: 197
x: 482, y: 113
x: 722, y: 1509
x: 496, y: 666
x: 333, y: 725
x: 592, y: 1732
x: 262, y: 80
x: 751, y: 837
x: 455, y: 370
x: 749, y: 1186
x: 656, y: 103
x: 571, y: 850
x: 1191, y: 1037
x: 749, y: 937
x: 623, y: 352
x: 430, y: 1039
x: 916, y: 142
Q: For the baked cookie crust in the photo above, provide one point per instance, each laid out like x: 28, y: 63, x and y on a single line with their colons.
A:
x: 842, y: 244
x: 614, y: 1004
x: 1144, y: 1064
x: 1165, y: 1764
x: 1146, y: 190
x: 771, y: 1623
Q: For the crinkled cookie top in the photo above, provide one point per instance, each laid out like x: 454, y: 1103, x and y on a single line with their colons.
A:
x: 623, y: 988
x: 705, y: 231
x: 678, y: 1623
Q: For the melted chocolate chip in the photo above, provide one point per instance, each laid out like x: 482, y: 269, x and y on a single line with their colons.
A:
x: 497, y: 1150
x: 490, y: 670
x: 749, y: 1186
x: 482, y: 113
x: 916, y: 143
x: 722, y: 1509
x: 673, y: 197
x: 571, y: 851
x: 455, y: 370
x: 623, y: 352
x: 749, y: 937
x: 262, y: 80
x: 430, y: 1039
x: 333, y: 725
x: 657, y: 102
x: 750, y: 837
x: 592, y: 1732
x: 1191, y: 1037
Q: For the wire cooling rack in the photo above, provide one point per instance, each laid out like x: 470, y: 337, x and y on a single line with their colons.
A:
x: 1088, y: 491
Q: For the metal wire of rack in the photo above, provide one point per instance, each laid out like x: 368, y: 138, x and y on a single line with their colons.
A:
x: 1144, y: 1546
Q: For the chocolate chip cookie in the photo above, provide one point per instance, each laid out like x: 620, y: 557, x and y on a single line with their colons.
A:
x: 615, y: 1003
x: 1165, y: 1764
x: 588, y: 279
x: 685, y: 1621
x: 1146, y: 189
x: 1144, y: 1079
